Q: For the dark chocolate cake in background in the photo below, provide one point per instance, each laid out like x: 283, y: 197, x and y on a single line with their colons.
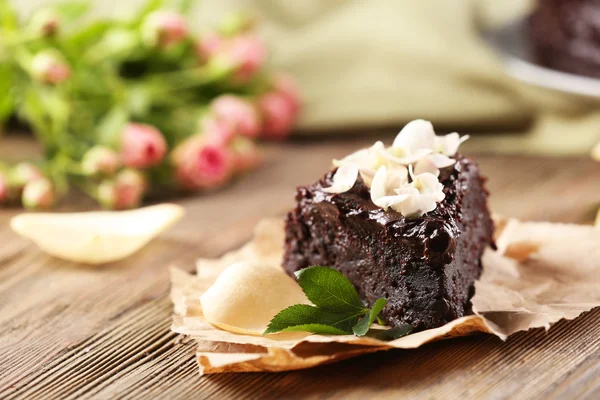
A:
x: 565, y: 35
x: 425, y: 267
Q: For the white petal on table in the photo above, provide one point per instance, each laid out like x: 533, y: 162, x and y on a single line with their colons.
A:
x: 96, y: 237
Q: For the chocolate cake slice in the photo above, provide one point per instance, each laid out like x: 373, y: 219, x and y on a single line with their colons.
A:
x: 424, y: 266
x: 565, y: 35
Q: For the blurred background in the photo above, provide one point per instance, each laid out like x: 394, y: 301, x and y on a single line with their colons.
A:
x: 366, y: 68
x: 380, y: 63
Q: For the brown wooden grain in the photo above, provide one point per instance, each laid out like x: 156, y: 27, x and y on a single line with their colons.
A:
x: 69, y: 332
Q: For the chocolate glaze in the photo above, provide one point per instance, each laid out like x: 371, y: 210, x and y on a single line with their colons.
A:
x: 425, y: 267
x: 565, y: 35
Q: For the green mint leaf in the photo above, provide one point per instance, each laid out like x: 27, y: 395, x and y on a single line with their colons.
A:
x: 394, y: 333
x: 315, y: 328
x: 329, y: 290
x: 362, y: 327
x: 306, y: 316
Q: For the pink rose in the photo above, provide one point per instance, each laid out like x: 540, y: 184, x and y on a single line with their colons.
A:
x: 246, y: 154
x: 123, y: 192
x: 3, y: 189
x: 287, y: 87
x: 208, y: 45
x: 240, y: 113
x: 38, y: 194
x: 48, y: 67
x: 45, y: 22
x: 164, y: 28
x: 100, y: 160
x: 247, y: 53
x: 217, y: 131
x: 200, y: 164
x: 278, y: 113
x: 142, y: 146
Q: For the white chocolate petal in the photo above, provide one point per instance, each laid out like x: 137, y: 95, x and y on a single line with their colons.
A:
x: 344, y: 178
x: 379, y: 185
x: 415, y: 135
x: 424, y: 165
x: 409, y: 159
x: 247, y: 295
x: 449, y: 144
x: 418, y: 205
x: 97, y: 237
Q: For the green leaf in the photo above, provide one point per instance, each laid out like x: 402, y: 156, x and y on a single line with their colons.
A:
x: 9, y: 20
x: 329, y: 290
x: 315, y: 328
x: 111, y: 126
x: 365, y: 323
x: 72, y: 10
x: 394, y: 333
x: 6, y: 96
x: 148, y: 7
x: 306, y: 316
x: 185, y: 6
x: 87, y: 36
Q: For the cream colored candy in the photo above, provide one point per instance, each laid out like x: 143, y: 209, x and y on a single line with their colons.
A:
x: 97, y: 237
x: 247, y: 295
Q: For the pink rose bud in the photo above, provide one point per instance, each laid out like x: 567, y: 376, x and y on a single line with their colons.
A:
x: 200, y: 164
x: 38, y: 194
x: 3, y: 189
x: 49, y: 67
x: 217, y: 131
x: 287, y: 87
x: 247, y: 53
x: 142, y: 146
x: 100, y: 160
x: 278, y: 114
x: 164, y: 28
x: 240, y: 113
x: 21, y: 174
x: 246, y: 154
x: 208, y: 45
x: 45, y: 22
x: 123, y: 192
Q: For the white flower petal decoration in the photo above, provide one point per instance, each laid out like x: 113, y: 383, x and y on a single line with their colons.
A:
x: 96, y: 237
x: 416, y: 135
x: 427, y: 184
x: 433, y: 163
x: 388, y: 154
x: 449, y: 144
x: 383, y: 186
x: 417, y: 205
x: 384, y: 170
x: 344, y: 178
x: 247, y: 295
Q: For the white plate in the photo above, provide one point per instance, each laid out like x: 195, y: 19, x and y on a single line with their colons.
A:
x: 513, y: 44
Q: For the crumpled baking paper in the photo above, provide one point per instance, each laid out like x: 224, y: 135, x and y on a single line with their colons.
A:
x: 541, y: 273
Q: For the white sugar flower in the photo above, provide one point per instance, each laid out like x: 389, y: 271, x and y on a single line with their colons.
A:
x: 433, y: 163
x: 344, y: 179
x: 384, y: 187
x: 448, y: 145
x: 427, y: 184
x: 410, y: 199
x: 368, y: 161
x: 415, y: 141
x: 384, y: 170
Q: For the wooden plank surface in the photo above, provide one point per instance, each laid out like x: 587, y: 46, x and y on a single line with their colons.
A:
x: 68, y: 331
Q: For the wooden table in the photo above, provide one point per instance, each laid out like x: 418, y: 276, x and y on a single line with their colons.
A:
x: 69, y: 331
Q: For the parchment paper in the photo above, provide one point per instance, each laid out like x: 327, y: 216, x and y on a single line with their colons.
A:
x: 541, y: 273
